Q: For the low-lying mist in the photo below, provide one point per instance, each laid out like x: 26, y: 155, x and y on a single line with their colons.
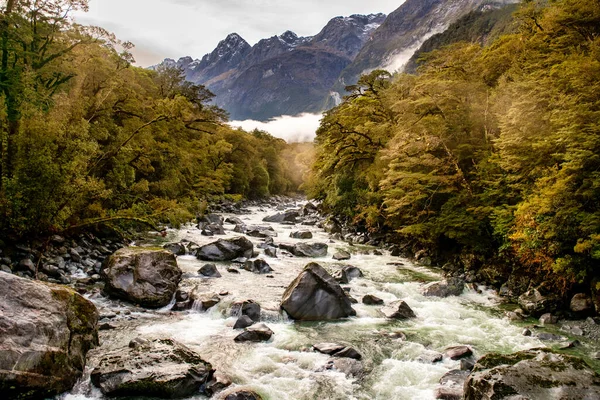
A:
x: 291, y: 128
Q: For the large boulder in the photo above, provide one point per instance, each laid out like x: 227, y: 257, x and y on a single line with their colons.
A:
x: 157, y: 368
x: 347, y: 273
x: 226, y: 249
x: 536, y: 303
x: 448, y: 287
x: 312, y: 250
x: 148, y: 277
x: 45, y: 334
x: 581, y: 304
x: 314, y: 295
x: 532, y: 374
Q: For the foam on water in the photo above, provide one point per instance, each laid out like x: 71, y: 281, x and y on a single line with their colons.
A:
x: 287, y: 368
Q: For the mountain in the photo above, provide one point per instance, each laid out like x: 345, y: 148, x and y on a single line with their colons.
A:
x: 284, y: 74
x: 403, y: 32
x: 288, y: 74
x: 481, y: 26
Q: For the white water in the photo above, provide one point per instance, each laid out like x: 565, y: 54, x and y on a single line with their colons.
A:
x: 285, y: 368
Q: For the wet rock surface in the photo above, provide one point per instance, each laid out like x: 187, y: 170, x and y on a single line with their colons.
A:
x: 315, y: 295
x: 45, y: 334
x: 398, y: 310
x: 144, y: 276
x: 532, y: 374
x: 226, y: 249
x: 160, y: 368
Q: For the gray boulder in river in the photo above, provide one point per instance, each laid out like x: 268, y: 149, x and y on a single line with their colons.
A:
x: 314, y: 295
x: 532, y: 374
x: 306, y: 249
x: 158, y: 368
x: 145, y: 276
x: 226, y: 249
x: 45, y: 334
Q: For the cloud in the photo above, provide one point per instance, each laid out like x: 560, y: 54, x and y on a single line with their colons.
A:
x: 297, y: 128
x: 177, y: 28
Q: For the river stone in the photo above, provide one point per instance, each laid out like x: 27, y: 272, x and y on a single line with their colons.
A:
x: 288, y: 216
x: 157, y: 368
x: 209, y: 271
x: 258, y: 266
x: 548, y: 319
x: 176, y: 248
x: 581, y: 304
x: 537, y: 304
x: 45, y: 333
x: 458, y: 352
x: 371, y: 300
x: 398, y: 310
x: 246, y: 307
x: 448, y: 287
x: 202, y: 301
x: 218, y: 382
x: 145, y: 276
x: 244, y: 395
x: 308, y: 249
x: 242, y: 322
x: 226, y: 249
x: 341, y: 255
x: 301, y: 235
x: 328, y: 348
x: 532, y: 374
x: 452, y: 385
x: 255, y: 333
x: 314, y: 295
x: 234, y: 221
x: 211, y: 219
x: 347, y: 273
x: 271, y: 252
x: 261, y: 231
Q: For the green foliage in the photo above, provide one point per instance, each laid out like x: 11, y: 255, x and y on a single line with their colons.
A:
x: 87, y: 138
x: 488, y: 149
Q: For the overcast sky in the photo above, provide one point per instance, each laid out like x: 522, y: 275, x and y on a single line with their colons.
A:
x: 177, y: 28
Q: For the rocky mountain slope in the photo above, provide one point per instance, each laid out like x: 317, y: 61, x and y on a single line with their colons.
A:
x: 288, y: 74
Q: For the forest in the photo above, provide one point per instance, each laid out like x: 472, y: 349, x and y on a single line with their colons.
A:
x: 88, y: 138
x: 491, y: 152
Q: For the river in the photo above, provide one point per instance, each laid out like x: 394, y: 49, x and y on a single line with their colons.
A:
x: 285, y: 368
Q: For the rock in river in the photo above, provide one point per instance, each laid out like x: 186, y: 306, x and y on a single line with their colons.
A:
x: 226, y: 249
x: 145, y: 276
x: 398, y: 310
x: 255, y: 333
x: 532, y: 374
x: 314, y: 295
x: 45, y: 333
x: 158, y: 368
x: 306, y: 249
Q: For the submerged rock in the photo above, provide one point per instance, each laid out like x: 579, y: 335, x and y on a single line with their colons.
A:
x: 315, y: 295
x: 45, y: 334
x: 532, y: 374
x: 398, y: 310
x: 157, y: 368
x: 226, y: 249
x: 145, y: 276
